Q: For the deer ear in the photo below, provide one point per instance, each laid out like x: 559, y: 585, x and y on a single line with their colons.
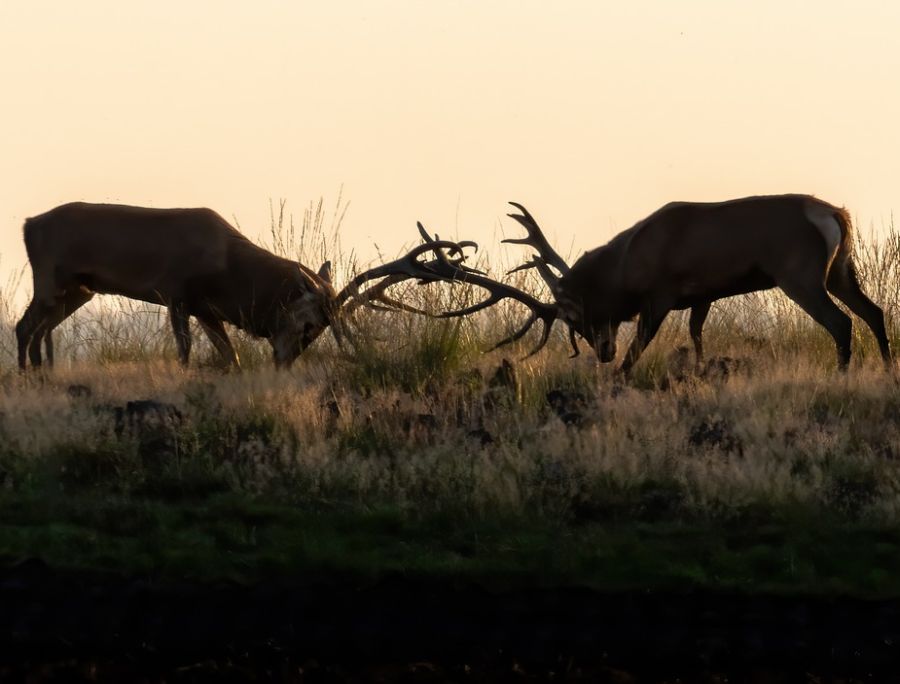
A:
x: 325, y: 271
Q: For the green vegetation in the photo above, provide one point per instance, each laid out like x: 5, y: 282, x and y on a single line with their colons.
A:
x: 239, y: 538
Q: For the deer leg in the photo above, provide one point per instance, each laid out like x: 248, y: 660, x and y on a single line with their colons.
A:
x: 48, y: 297
x: 215, y: 331
x: 843, y: 284
x: 815, y: 301
x: 34, y: 343
x: 42, y: 333
x: 648, y: 325
x: 48, y: 346
x: 25, y: 332
x: 698, y: 318
x: 73, y: 300
x: 34, y: 326
x: 181, y: 326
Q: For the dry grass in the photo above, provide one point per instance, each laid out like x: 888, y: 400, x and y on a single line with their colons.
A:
x: 420, y: 419
x: 776, y: 435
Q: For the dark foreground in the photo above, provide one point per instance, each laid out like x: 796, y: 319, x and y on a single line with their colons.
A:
x: 56, y: 626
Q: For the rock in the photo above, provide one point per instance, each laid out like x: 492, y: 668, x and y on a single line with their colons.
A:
x: 502, y: 387
x: 482, y: 435
x: 425, y: 422
x: 331, y: 414
x: 681, y: 367
x: 715, y: 433
x: 504, y: 376
x: 151, y: 423
x: 570, y: 406
x: 79, y: 391
x: 332, y: 409
x: 722, y: 367
x: 147, y: 414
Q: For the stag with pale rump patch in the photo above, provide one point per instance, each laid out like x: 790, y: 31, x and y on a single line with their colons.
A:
x: 688, y: 255
x: 196, y: 264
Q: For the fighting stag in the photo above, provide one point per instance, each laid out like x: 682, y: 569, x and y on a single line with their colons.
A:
x: 194, y: 263
x: 688, y: 255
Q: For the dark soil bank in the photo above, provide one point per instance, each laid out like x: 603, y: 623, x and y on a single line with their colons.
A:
x: 55, y: 626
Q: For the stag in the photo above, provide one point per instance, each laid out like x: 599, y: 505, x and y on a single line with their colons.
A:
x: 687, y: 255
x: 196, y: 264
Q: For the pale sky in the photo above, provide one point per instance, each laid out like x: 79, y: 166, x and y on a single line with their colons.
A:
x: 590, y: 113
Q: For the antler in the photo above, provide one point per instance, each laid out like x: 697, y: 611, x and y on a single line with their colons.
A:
x: 377, y: 294
x: 443, y: 269
x: 538, y: 263
x: 407, y: 266
x: 393, y: 272
x: 547, y: 257
x: 536, y: 239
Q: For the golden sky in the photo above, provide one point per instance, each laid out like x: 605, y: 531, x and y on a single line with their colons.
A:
x: 592, y: 114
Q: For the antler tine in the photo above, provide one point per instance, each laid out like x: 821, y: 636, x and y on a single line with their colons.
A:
x: 458, y: 262
x: 377, y: 294
x: 546, y: 274
x: 574, y: 342
x: 545, y: 335
x: 534, y: 263
x: 395, y: 305
x: 490, y: 301
x: 520, y: 333
x: 424, y: 233
x: 536, y: 239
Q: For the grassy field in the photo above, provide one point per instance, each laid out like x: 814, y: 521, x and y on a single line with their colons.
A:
x: 416, y: 453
